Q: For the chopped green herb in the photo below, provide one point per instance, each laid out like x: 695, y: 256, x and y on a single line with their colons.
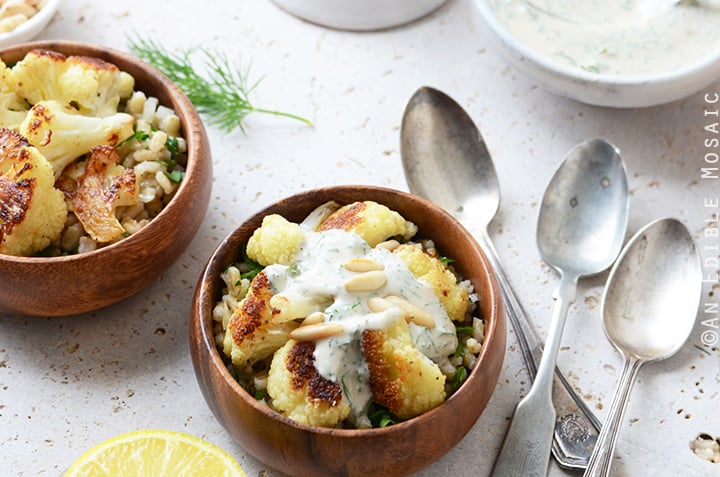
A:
x: 139, y: 135
x: 176, y: 176
x: 446, y: 260
x: 465, y: 330
x: 591, y: 68
x: 459, y: 350
x: 173, y: 146
x: 459, y: 378
x: 382, y: 418
x: 253, y: 268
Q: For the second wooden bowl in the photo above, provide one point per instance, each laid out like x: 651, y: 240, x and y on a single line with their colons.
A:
x: 303, y: 450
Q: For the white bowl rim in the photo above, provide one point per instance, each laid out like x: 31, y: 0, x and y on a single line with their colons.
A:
x: 31, y: 27
x: 508, y: 38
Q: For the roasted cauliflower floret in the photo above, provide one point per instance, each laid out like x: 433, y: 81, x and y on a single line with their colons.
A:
x: 300, y: 392
x: 32, y: 211
x: 252, y: 335
x: 432, y: 271
x: 402, y: 378
x: 62, y: 135
x: 372, y: 221
x: 276, y: 241
x: 104, y: 186
x: 93, y: 86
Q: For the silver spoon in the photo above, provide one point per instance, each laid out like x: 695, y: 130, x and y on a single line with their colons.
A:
x: 649, y: 308
x: 447, y: 162
x: 581, y: 228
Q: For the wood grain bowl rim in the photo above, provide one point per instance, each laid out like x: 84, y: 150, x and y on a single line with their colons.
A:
x: 154, y: 83
x: 209, y: 288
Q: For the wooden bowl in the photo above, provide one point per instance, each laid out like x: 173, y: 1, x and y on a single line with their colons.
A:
x: 68, y: 285
x: 303, y: 450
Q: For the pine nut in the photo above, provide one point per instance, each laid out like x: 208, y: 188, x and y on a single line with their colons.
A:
x: 377, y: 304
x: 388, y: 245
x: 313, y: 318
x: 363, y: 265
x: 316, y: 332
x: 412, y: 313
x: 366, y: 282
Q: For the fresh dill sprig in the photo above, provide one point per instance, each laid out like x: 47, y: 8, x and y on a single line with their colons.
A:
x: 222, y: 95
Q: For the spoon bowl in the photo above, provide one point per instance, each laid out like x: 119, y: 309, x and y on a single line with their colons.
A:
x: 584, y: 212
x: 649, y: 309
x: 445, y: 157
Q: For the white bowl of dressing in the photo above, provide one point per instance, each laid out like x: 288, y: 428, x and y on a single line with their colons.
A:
x: 616, y: 53
x: 359, y: 15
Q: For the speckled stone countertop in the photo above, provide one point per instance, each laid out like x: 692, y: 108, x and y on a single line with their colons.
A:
x: 68, y: 383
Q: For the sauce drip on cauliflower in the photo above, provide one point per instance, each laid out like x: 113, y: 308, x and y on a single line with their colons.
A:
x: 343, y: 319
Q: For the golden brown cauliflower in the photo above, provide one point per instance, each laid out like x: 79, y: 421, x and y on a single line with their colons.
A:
x: 32, y: 211
x: 402, y: 378
x: 104, y: 186
x: 374, y: 222
x: 62, y: 135
x: 435, y: 273
x: 300, y: 392
x: 92, y: 86
x: 275, y: 241
x: 252, y: 335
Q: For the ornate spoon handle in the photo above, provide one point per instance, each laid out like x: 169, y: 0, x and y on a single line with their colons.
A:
x: 576, y: 427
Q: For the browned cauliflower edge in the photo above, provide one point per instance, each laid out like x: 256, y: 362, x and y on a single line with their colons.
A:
x: 374, y: 222
x: 32, y: 211
x: 402, y: 378
x: 300, y: 392
x: 252, y: 335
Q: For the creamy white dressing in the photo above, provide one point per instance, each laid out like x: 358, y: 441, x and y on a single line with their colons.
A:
x: 315, y: 283
x: 613, y: 37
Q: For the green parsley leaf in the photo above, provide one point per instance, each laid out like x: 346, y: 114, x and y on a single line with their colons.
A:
x: 173, y: 146
x: 176, y: 175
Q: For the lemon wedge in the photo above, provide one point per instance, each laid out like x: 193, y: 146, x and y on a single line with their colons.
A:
x: 155, y: 453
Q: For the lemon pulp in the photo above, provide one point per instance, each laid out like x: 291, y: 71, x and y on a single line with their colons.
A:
x: 155, y: 453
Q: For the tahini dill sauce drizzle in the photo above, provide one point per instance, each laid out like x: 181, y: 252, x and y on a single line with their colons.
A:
x: 317, y: 280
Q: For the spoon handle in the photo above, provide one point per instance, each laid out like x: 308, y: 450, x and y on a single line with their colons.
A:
x: 601, y: 458
x: 576, y: 426
x: 528, y: 442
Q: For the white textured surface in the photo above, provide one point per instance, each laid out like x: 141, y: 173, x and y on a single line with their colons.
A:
x: 67, y: 383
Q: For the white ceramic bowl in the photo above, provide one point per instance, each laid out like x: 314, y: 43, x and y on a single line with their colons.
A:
x: 359, y: 14
x: 640, y: 90
x: 31, y: 28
